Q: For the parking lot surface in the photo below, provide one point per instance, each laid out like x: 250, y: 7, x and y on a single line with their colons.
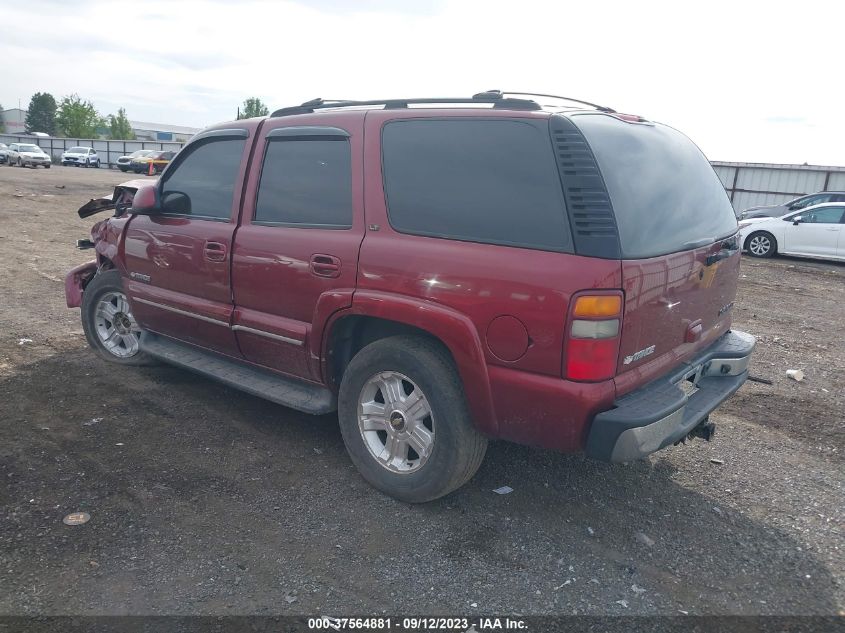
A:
x: 204, y: 500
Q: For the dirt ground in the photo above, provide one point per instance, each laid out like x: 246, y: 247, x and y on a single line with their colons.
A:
x: 204, y: 500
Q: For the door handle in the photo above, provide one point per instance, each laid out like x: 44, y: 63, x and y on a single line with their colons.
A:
x: 215, y: 251
x: 325, y: 265
x: 833, y: 228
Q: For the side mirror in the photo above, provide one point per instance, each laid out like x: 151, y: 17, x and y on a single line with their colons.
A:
x: 176, y: 202
x: 145, y: 201
x: 797, y: 220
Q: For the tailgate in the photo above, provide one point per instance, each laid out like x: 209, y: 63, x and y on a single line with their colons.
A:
x: 675, y: 305
x: 678, y: 238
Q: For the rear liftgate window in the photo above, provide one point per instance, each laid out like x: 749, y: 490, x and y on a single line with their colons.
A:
x: 665, y: 195
x: 491, y: 181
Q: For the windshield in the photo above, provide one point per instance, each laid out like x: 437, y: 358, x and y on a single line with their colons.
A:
x: 78, y: 150
x: 141, y: 152
x: 665, y: 195
x: 29, y: 148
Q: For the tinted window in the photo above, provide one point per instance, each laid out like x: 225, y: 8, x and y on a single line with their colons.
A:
x: 665, y: 194
x: 306, y: 183
x: 491, y: 181
x: 827, y: 215
x: 206, y: 176
x: 810, y: 201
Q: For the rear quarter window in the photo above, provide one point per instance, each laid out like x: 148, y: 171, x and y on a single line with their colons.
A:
x: 665, y: 195
x: 479, y: 180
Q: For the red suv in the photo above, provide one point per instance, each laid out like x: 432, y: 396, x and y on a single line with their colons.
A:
x: 440, y: 272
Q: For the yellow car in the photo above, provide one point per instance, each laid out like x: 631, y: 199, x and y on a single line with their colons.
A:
x: 159, y: 160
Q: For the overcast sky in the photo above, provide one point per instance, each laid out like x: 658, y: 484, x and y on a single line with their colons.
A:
x: 748, y: 81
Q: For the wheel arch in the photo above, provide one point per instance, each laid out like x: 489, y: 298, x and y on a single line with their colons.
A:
x: 375, y: 316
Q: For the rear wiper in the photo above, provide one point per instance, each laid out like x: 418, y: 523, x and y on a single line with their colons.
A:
x: 704, y: 241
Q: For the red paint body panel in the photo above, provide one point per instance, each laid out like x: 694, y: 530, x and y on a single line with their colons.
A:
x: 74, y: 281
x: 664, y: 298
x: 274, y: 282
x: 545, y: 411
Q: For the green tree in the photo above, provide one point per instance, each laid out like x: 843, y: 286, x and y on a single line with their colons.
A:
x: 254, y: 107
x: 41, y: 114
x: 119, y: 128
x: 77, y: 118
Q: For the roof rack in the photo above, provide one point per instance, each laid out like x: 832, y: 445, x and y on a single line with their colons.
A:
x: 493, y: 97
x: 498, y: 98
x: 601, y: 108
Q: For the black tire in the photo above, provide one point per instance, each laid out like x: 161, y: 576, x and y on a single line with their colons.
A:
x: 761, y: 244
x: 123, y: 169
x: 458, y: 449
x: 47, y: 166
x: 102, y: 284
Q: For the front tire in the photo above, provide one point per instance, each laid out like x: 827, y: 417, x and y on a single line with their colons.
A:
x: 108, y: 323
x: 761, y: 244
x: 405, y: 422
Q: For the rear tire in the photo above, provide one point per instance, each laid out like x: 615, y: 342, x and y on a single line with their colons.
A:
x: 405, y: 422
x: 761, y: 244
x: 108, y: 323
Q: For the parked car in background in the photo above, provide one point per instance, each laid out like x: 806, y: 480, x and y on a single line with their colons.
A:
x: 439, y: 275
x: 779, y: 210
x: 3, y: 152
x: 817, y: 231
x: 159, y: 161
x: 81, y: 157
x: 124, y: 162
x: 27, y: 155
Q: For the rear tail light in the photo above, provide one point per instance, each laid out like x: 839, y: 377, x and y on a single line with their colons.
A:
x: 592, y: 345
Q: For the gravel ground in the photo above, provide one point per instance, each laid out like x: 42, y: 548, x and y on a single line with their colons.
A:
x: 204, y: 500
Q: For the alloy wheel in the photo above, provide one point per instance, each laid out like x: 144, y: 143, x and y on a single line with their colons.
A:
x: 115, y: 326
x: 396, y: 422
x: 759, y: 245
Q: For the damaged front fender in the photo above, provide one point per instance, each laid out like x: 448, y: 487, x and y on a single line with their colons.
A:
x: 75, y: 282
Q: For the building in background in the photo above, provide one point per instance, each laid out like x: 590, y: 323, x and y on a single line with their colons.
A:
x: 145, y: 131
x: 756, y: 184
x: 15, y: 120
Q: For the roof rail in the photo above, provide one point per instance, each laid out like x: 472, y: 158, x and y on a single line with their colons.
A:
x: 538, y: 94
x: 494, y: 97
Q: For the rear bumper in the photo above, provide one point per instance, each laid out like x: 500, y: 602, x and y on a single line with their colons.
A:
x: 661, y: 413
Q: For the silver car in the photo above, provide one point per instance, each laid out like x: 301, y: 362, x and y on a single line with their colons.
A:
x: 778, y: 210
x: 26, y: 154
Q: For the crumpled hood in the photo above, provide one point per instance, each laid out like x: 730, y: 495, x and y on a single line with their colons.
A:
x: 123, y: 194
x: 33, y: 155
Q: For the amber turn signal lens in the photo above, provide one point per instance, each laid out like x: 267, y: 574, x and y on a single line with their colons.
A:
x: 598, y: 306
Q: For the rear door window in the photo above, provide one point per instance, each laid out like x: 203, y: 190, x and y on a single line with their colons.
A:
x: 665, y: 194
x: 481, y: 180
x: 306, y: 184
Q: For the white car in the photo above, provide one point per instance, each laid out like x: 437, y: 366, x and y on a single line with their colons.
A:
x: 81, y: 157
x: 817, y: 231
x: 23, y: 154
